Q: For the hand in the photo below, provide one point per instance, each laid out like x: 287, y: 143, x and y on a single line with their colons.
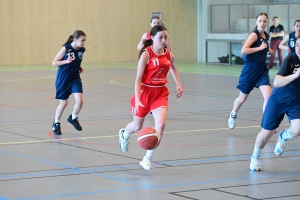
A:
x: 69, y: 59
x: 179, y: 91
x: 271, y: 52
x: 81, y: 70
x: 263, y: 46
x: 288, y: 50
x: 136, y: 107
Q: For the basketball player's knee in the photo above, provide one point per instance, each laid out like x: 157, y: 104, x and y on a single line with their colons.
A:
x: 137, y: 127
x: 63, y: 104
x: 242, y: 99
x: 161, y: 125
x: 79, y: 102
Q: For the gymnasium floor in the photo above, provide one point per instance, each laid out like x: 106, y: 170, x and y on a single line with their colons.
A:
x: 199, y: 156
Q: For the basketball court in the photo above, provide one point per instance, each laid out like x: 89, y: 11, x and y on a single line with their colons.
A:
x: 199, y: 156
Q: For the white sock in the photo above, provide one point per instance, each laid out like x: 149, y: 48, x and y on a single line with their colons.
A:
x: 126, y: 136
x: 56, y: 120
x: 285, y: 135
x: 256, y: 152
x: 149, y: 154
x: 74, y: 116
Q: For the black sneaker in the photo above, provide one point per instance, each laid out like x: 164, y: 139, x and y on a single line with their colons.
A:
x: 56, y: 128
x: 75, y: 123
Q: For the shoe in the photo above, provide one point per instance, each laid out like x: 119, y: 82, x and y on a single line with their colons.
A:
x: 255, y: 164
x: 146, y: 164
x: 280, y: 145
x: 123, y: 143
x: 56, y: 128
x: 231, y: 120
x: 75, y: 123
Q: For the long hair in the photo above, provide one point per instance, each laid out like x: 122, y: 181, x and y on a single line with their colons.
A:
x: 77, y: 34
x: 260, y: 14
x: 154, y: 30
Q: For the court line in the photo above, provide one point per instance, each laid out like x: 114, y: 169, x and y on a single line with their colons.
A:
x: 112, y: 136
x: 30, y: 79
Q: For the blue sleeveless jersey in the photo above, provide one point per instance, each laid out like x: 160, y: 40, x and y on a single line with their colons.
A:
x: 292, y: 42
x: 68, y: 74
x: 259, y: 56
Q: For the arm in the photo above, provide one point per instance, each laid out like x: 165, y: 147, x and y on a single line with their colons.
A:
x: 57, y: 60
x: 137, y: 85
x: 168, y: 44
x: 281, y: 33
x: 283, y: 42
x: 141, y: 44
x: 282, y: 80
x: 176, y: 78
x: 246, y: 49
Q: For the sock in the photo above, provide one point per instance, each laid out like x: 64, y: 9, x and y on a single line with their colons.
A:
x: 233, y: 113
x: 149, y: 154
x: 56, y: 120
x: 74, y: 116
x: 126, y: 136
x: 256, y: 152
x: 285, y: 135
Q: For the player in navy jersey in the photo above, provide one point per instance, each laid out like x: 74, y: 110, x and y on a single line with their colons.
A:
x: 151, y: 93
x: 291, y: 38
x: 68, y: 79
x: 285, y: 99
x: 155, y: 20
x: 255, y: 72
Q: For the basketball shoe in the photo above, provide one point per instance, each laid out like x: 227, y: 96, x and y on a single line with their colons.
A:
x: 231, y: 120
x: 75, y: 123
x: 146, y: 164
x: 255, y: 164
x: 123, y: 143
x: 56, y: 128
x: 280, y: 145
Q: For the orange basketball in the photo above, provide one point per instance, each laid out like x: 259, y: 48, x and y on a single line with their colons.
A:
x: 148, y: 138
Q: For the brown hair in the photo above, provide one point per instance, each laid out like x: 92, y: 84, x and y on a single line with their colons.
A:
x: 77, y: 34
x: 154, y: 17
x: 260, y: 14
x: 298, y: 20
x: 154, y: 30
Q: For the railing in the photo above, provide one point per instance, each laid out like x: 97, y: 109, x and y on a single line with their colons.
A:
x: 240, y: 18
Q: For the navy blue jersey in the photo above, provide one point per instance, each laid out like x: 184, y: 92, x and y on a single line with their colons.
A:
x: 68, y: 78
x: 289, y: 66
x: 259, y: 56
x: 277, y: 29
x: 76, y: 55
x: 292, y: 42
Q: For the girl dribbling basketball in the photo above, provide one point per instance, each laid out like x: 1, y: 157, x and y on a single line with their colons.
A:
x: 151, y: 94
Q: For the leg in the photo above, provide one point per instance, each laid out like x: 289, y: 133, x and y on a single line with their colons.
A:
x: 124, y: 134
x: 280, y: 55
x: 273, y: 47
x: 78, y: 103
x: 238, y: 102
x: 60, y: 109
x: 73, y: 119
x: 160, y: 116
x: 261, y: 140
x: 283, y: 136
x: 266, y: 91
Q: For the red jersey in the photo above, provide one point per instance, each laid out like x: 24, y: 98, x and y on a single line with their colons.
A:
x: 157, y: 68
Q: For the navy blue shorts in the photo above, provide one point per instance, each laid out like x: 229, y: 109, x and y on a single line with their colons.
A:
x: 75, y: 87
x: 277, y: 106
x: 253, y: 75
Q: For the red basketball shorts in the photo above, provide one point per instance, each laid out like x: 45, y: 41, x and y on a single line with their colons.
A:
x: 152, y: 98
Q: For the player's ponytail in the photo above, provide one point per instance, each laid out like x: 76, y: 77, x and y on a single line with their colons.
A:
x: 262, y: 13
x: 153, y: 32
x: 76, y: 35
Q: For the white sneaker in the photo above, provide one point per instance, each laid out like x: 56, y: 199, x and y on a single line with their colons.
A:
x: 231, y: 120
x: 255, y: 164
x: 123, y: 143
x: 280, y: 145
x: 146, y: 164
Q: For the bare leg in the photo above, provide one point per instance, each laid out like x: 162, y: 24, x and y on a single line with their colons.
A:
x: 78, y: 103
x: 60, y: 109
x: 266, y: 91
x: 238, y: 102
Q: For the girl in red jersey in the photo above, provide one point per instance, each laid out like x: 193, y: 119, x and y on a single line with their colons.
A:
x: 150, y: 93
x: 155, y: 20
